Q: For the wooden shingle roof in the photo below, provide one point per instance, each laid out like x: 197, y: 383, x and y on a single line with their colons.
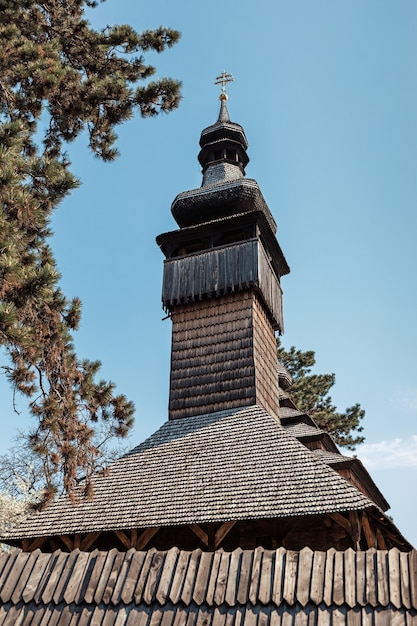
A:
x: 243, y: 588
x: 233, y: 465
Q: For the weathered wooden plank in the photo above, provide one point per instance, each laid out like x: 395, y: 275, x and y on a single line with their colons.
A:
x: 55, y: 615
x: 190, y: 617
x: 211, y: 587
x: 367, y: 613
x: 162, y: 593
x: 275, y: 617
x: 338, y: 576
x: 155, y: 617
x: 12, y: 580
x: 232, y: 578
x: 255, y: 574
x: 4, y: 559
x: 287, y: 617
x: 290, y: 580
x: 244, y: 576
x: 387, y: 617
x: 219, y: 617
x: 153, y: 576
x: 349, y: 577
x: 132, y: 576
x: 168, y: 616
x: 86, y: 579
x: 360, y: 569
x: 323, y: 614
x: 404, y: 580
x: 328, y: 577
x: 121, y: 578
x: 317, y: 577
x: 412, y: 565
x: 300, y: 618
x: 35, y: 576
x: 304, y: 576
x: 201, y: 581
x: 264, y: 615
x: 188, y: 588
x: 266, y: 578
x: 60, y: 559
x: 393, y: 576
x: 141, y: 582
x: 76, y: 577
x: 103, y: 575
x: 137, y: 617
x: 97, y: 561
x: 24, y: 577
x: 178, y: 581
x: 47, y: 571
x: 8, y: 567
x: 204, y: 616
x: 339, y: 617
x: 371, y: 577
x: 180, y: 616
x: 220, y: 589
x: 382, y: 578
x: 354, y: 617
x: 279, y: 573
x: 250, y: 616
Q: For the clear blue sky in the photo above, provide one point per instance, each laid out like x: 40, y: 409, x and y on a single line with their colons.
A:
x: 327, y: 94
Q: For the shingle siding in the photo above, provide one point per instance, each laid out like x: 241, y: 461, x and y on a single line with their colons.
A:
x: 251, y: 587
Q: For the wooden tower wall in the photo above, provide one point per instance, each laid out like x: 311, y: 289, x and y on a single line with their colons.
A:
x: 223, y: 356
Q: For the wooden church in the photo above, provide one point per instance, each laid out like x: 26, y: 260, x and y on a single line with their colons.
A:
x: 239, y: 510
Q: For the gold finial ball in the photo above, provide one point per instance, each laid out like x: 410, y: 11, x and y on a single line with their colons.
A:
x: 223, y: 97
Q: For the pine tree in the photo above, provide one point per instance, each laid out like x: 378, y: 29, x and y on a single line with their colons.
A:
x: 58, y: 78
x: 310, y: 394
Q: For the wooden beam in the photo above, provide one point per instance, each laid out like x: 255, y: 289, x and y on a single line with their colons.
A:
x: 380, y: 540
x: 68, y: 543
x: 222, y: 532
x: 121, y: 535
x: 133, y: 537
x: 370, y: 537
x: 77, y: 541
x: 355, y: 525
x: 145, y: 537
x: 203, y: 536
x: 341, y: 521
x: 37, y: 543
x: 88, y: 541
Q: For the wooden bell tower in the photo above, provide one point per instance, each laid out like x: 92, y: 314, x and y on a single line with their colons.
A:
x: 221, y: 283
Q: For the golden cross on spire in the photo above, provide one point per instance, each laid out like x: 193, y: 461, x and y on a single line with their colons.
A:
x: 222, y: 80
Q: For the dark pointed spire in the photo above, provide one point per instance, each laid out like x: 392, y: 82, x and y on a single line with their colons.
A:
x: 223, y: 144
x: 224, y: 190
x: 223, y: 113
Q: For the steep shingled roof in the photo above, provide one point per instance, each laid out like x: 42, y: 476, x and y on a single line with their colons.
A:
x: 233, y: 465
